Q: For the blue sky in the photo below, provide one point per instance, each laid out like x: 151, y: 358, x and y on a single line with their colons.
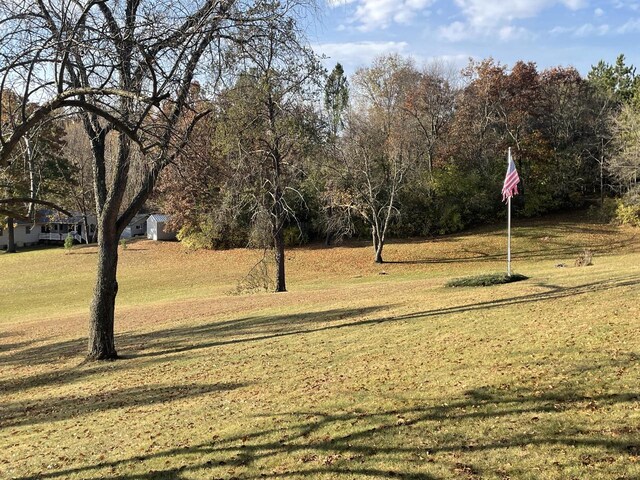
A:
x: 548, y: 32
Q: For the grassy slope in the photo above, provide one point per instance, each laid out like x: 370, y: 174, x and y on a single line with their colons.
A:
x: 351, y: 374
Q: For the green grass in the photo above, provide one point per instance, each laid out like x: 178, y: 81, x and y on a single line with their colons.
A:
x: 350, y: 374
x: 486, y: 280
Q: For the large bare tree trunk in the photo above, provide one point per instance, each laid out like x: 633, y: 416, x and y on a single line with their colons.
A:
x: 379, y: 254
x: 279, y: 248
x: 85, y: 225
x: 327, y: 238
x: 102, y: 317
x: 278, y: 237
x: 378, y: 244
x: 11, y: 245
x: 602, y: 176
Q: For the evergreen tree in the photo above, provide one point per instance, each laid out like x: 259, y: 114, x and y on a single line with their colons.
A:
x: 336, y: 98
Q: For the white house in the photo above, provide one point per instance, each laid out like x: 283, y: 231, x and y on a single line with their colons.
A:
x: 24, y: 233
x: 156, y: 228
x: 48, y: 227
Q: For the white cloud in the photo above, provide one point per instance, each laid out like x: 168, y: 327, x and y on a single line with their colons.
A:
x: 455, y: 32
x: 460, y: 31
x: 509, y: 32
x: 630, y: 4
x: 373, y: 14
x: 586, y: 30
x: 488, y: 13
x: 631, y: 26
x: 354, y: 54
x: 574, y: 4
x: 338, y: 3
x: 598, y: 12
x: 494, y: 18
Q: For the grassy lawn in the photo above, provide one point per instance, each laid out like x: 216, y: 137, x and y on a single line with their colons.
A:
x: 359, y: 371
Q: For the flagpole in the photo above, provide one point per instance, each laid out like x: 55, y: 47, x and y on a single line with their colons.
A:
x: 509, y: 224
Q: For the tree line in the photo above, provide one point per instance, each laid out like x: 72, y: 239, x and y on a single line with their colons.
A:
x: 400, y: 150
x: 220, y: 113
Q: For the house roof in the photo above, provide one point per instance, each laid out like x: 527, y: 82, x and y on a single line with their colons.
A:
x: 45, y: 216
x: 40, y: 217
x: 53, y: 216
x: 159, y: 217
x: 19, y: 221
x: 139, y: 218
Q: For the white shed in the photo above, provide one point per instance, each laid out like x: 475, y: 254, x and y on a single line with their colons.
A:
x: 156, y: 228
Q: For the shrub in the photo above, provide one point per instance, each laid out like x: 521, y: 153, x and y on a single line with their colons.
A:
x: 486, y: 280
x: 604, y: 213
x: 628, y: 212
x: 123, y: 243
x: 451, y: 220
x: 207, y: 234
x: 194, y: 239
x: 68, y: 243
x: 294, y: 237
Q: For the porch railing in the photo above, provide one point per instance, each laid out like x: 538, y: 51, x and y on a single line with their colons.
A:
x: 60, y: 237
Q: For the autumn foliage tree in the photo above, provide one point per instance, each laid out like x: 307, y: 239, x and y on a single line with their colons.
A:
x: 263, y: 127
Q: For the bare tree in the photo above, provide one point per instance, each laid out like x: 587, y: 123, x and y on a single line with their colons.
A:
x: 127, y: 68
x: 624, y: 163
x: 268, y: 127
x: 79, y: 181
x: 378, y: 147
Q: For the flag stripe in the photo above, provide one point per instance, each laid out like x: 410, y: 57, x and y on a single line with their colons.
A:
x: 511, y: 180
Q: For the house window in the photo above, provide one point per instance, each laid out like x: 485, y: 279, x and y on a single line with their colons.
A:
x: 1, y: 232
x: 137, y: 227
x: 55, y: 227
x: 27, y: 230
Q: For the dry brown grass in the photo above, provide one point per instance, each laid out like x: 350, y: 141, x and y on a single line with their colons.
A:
x: 351, y: 374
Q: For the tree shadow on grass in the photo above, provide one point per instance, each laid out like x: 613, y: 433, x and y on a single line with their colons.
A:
x: 179, y: 339
x: 552, y: 292
x: 317, y: 442
x: 160, y: 343
x: 554, y: 251
x: 69, y: 375
x: 16, y: 345
x: 43, y: 353
x: 182, y: 339
x: 48, y: 410
x: 251, y: 329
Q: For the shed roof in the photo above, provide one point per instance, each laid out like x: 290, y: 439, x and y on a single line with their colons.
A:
x: 159, y: 217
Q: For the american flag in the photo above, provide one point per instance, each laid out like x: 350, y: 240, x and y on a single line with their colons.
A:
x: 511, y: 181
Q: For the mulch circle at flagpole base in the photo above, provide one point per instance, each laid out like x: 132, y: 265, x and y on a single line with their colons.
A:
x: 486, y: 280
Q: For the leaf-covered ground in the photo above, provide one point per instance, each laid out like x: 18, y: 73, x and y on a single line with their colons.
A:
x: 359, y: 371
